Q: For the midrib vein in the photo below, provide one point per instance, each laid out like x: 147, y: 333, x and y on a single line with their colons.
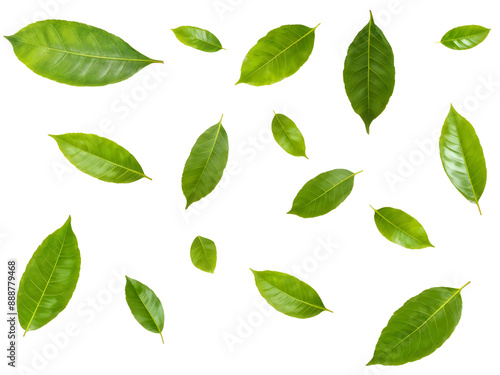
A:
x: 295, y: 298
x: 149, y: 312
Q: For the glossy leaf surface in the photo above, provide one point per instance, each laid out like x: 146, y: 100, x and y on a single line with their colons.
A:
x: 419, y: 327
x: 288, y: 135
x: 465, y: 37
x: 462, y: 157
x: 100, y: 157
x: 402, y: 229
x: 323, y: 193
x: 205, y: 164
x: 145, y: 306
x: 369, y: 73
x: 288, y: 295
x: 76, y: 54
x: 49, y: 280
x: 200, y: 39
x: 204, y: 254
x: 278, y: 55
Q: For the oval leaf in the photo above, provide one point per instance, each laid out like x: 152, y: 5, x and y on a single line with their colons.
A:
x: 465, y: 37
x: 205, y: 164
x: 204, y: 254
x: 50, y: 279
x: 145, y: 306
x: 369, y: 73
x: 288, y: 295
x: 399, y: 227
x: 277, y: 55
x: 76, y: 54
x: 462, y: 157
x: 288, y: 136
x: 198, y: 38
x: 100, y: 157
x: 419, y: 327
x: 323, y: 193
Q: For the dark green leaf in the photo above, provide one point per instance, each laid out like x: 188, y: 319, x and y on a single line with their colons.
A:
x: 465, y: 37
x: 204, y: 254
x: 288, y: 136
x: 198, y: 38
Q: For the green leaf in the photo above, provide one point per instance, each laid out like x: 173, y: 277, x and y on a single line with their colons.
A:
x: 323, y: 193
x: 76, y: 54
x: 465, y: 37
x: 204, y: 254
x: 288, y: 295
x: 399, y: 227
x: 277, y: 55
x: 145, y: 306
x: 462, y: 157
x: 205, y: 164
x: 369, y: 73
x: 198, y: 38
x: 100, y: 157
x: 49, y: 280
x: 288, y: 136
x: 419, y: 327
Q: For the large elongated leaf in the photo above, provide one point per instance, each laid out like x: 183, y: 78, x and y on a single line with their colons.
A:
x: 288, y: 136
x: 49, y: 280
x: 277, y: 55
x: 419, y: 327
x: 465, y: 37
x: 76, y: 54
x: 145, y: 306
x: 205, y: 164
x: 198, y: 38
x: 100, y: 157
x: 462, y: 157
x: 288, y: 295
x: 323, y: 193
x: 369, y: 73
x: 204, y: 254
x: 399, y: 227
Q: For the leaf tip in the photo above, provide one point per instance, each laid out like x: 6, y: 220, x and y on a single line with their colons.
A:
x: 305, y: 156
x: 371, y: 16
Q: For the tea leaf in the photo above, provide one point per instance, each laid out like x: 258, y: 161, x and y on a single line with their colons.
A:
x: 288, y: 136
x: 204, y: 254
x: 198, y: 38
x: 76, y: 54
x: 288, y: 295
x: 49, y: 280
x: 465, y: 37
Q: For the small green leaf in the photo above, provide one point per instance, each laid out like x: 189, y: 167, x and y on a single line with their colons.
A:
x: 145, y: 306
x: 76, y: 54
x: 205, y: 164
x: 198, y: 38
x: 462, y: 157
x: 402, y: 229
x: 323, y: 193
x: 49, y: 280
x: 278, y: 55
x: 465, y: 37
x: 100, y: 157
x: 369, y: 73
x: 419, y: 327
x: 204, y: 254
x: 288, y: 136
x: 288, y: 295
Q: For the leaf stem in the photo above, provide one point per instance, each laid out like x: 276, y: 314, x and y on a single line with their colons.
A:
x: 463, y: 287
x: 479, y: 208
x: 163, y: 342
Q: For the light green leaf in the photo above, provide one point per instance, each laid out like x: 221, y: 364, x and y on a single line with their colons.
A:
x: 399, y: 227
x: 323, y: 193
x: 462, y: 157
x: 288, y: 295
x: 464, y: 37
x: 369, y: 73
x: 145, y: 306
x: 278, y: 55
x: 76, y: 54
x: 205, y: 164
x: 420, y: 327
x: 198, y: 38
x: 100, y: 157
x: 204, y: 254
x: 288, y: 136
x: 49, y: 280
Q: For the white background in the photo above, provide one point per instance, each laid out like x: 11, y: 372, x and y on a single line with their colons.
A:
x: 214, y: 323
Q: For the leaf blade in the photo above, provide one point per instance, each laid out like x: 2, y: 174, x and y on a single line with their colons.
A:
x: 197, y: 38
x: 204, y: 254
x: 465, y: 37
x: 288, y: 135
